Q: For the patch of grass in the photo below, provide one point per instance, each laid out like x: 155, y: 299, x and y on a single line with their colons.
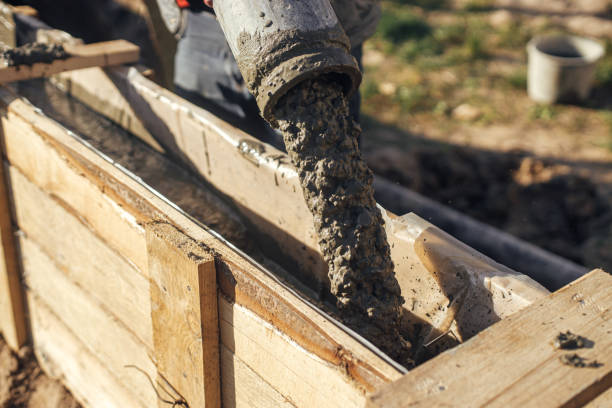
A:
x: 451, y: 34
x: 400, y: 26
x: 413, y: 98
x: 424, y: 4
x: 542, y: 112
x: 603, y: 74
x: 424, y: 47
x: 474, y: 46
x: 518, y: 79
x: 515, y: 35
x: 478, y: 6
x: 369, y: 88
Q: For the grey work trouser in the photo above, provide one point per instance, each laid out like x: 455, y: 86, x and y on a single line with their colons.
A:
x: 206, y: 74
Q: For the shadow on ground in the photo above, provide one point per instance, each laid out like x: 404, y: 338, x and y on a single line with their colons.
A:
x: 541, y: 200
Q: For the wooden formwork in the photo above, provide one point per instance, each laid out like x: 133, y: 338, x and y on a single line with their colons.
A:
x: 119, y: 282
x: 121, y: 286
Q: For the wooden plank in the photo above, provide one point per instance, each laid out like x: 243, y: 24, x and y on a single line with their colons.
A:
x: 282, y: 363
x: 83, y: 257
x: 264, y: 185
x: 243, y: 283
x: 184, y: 313
x: 12, y: 317
x: 108, y: 215
x: 113, y: 344
x: 514, y: 363
x: 25, y: 10
x: 100, y: 54
x: 62, y: 355
x: 244, y: 388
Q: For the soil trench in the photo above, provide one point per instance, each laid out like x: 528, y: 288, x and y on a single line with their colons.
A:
x: 23, y: 384
x: 321, y: 140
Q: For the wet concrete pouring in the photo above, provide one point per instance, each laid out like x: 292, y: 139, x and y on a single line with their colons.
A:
x: 321, y: 140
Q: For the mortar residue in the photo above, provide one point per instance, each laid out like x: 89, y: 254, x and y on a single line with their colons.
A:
x: 321, y: 140
x: 32, y: 53
x: 569, y: 341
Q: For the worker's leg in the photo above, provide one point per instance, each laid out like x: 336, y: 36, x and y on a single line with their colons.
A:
x: 206, y: 74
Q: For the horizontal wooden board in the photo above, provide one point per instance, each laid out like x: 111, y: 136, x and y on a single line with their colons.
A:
x: 244, y: 388
x: 100, y: 54
x: 62, y: 355
x: 111, y: 342
x: 514, y: 363
x: 46, y: 168
x: 306, y: 380
x: 83, y: 257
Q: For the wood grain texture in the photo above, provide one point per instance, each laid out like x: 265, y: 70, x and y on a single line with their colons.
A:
x: 100, y: 54
x: 83, y: 257
x: 99, y: 332
x: 62, y: 355
x: 298, y: 376
x: 13, y: 324
x: 242, y: 387
x: 184, y: 313
x: 514, y: 363
x: 46, y: 168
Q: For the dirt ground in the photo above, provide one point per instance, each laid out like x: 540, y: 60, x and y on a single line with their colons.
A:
x: 447, y: 114
x: 24, y: 385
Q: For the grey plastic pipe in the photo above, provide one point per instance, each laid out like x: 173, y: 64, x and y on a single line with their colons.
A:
x: 279, y: 43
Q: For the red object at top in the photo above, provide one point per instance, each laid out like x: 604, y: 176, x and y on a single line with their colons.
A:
x: 182, y: 3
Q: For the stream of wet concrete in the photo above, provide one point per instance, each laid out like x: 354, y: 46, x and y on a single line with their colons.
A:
x: 321, y: 139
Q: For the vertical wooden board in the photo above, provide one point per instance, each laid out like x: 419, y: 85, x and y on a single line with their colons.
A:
x: 62, y: 355
x: 184, y: 313
x: 100, y: 333
x: 12, y: 317
x: 514, y: 362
